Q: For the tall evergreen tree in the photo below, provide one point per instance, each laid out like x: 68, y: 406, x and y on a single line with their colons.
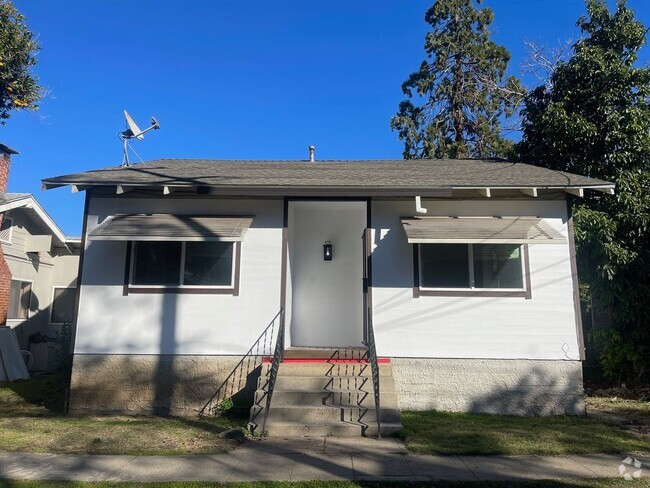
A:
x: 19, y: 89
x: 594, y: 119
x: 459, y: 97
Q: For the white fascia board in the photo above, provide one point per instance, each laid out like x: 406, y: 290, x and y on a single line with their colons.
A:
x: 31, y: 203
x: 20, y: 202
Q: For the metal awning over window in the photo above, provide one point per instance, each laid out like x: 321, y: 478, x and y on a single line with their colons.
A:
x: 166, y: 227
x: 473, y: 230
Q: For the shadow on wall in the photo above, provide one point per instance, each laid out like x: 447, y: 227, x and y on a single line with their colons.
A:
x: 534, y: 394
x: 165, y: 376
x: 162, y: 384
x: 37, y: 328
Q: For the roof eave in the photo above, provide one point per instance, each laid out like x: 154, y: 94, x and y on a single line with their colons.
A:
x: 265, y: 190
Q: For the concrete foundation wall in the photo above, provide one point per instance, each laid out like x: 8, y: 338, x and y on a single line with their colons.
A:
x: 181, y: 385
x: 149, y: 384
x: 510, y: 387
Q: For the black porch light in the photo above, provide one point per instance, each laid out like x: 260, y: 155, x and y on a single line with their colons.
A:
x: 327, y: 251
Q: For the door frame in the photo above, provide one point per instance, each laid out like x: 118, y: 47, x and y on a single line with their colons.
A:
x: 366, y: 284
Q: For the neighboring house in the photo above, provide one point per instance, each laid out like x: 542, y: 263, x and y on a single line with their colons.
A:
x: 474, y: 305
x: 40, y: 266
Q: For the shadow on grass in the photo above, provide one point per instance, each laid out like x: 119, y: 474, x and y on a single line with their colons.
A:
x: 39, y: 396
x: 592, y: 483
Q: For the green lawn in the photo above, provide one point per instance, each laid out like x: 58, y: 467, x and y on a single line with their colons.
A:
x: 31, y: 421
x: 592, y: 483
x: 465, y: 433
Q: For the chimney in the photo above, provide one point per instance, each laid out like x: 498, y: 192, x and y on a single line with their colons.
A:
x: 5, y: 163
x: 311, y: 154
x: 5, y: 272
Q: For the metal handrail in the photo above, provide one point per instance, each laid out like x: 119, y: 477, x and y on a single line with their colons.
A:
x: 255, y: 355
x: 273, y: 371
x: 374, y: 366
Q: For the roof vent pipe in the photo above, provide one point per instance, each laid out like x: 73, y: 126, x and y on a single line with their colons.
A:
x: 311, y: 154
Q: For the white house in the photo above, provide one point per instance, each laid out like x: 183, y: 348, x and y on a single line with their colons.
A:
x: 38, y: 271
x: 472, y: 305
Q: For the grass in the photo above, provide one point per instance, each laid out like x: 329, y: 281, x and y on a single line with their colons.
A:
x: 31, y: 421
x: 637, y: 411
x: 41, y: 396
x: 482, y: 434
x: 591, y: 483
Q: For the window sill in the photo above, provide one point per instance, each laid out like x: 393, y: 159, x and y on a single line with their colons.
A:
x: 179, y: 290
x: 417, y: 292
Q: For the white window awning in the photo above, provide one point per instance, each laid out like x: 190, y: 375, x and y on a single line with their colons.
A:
x: 167, y: 227
x: 476, y: 230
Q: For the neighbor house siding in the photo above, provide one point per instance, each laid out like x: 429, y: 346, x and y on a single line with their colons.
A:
x: 111, y: 322
x: 44, y: 270
x: 542, y: 327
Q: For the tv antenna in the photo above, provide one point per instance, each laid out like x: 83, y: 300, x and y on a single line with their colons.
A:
x: 133, y: 132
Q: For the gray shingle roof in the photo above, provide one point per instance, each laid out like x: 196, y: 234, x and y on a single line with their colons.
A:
x: 12, y: 197
x: 343, y: 175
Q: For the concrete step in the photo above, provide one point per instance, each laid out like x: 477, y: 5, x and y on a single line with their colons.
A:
x: 329, y: 413
x: 332, y: 369
x: 331, y: 353
x: 319, y: 383
x: 347, y: 398
x: 326, y: 392
x: 336, y: 429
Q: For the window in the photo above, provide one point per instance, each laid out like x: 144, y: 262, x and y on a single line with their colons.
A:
x: 466, y: 269
x: 6, y: 229
x: 19, y: 298
x: 62, y: 305
x: 188, y: 266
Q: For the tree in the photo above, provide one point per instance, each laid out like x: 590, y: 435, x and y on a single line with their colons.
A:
x: 19, y: 89
x: 462, y: 88
x: 593, y: 118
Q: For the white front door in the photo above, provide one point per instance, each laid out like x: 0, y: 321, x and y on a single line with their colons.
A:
x: 326, y: 302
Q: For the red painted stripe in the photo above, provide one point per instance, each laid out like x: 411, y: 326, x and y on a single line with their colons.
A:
x: 327, y: 361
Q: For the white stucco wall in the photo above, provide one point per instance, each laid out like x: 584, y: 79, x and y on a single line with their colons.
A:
x: 472, y: 327
x: 110, y: 323
x: 427, y: 327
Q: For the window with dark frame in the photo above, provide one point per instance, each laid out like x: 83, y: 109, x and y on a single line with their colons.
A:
x: 62, y: 305
x: 471, y: 266
x: 19, y: 299
x: 200, y: 264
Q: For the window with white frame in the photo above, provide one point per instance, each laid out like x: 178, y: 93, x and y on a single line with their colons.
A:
x: 6, y: 229
x: 194, y: 264
x: 19, y: 299
x: 471, y: 266
x: 62, y: 305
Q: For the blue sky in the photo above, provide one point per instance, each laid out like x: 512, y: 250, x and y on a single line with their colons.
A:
x: 228, y: 79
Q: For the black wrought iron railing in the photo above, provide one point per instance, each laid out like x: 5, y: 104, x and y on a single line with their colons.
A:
x: 374, y: 366
x: 273, y: 370
x: 238, y: 378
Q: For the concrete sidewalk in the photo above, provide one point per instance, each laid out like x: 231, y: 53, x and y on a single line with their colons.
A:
x: 306, y: 458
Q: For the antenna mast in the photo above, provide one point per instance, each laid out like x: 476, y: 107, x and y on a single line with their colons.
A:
x: 133, y: 132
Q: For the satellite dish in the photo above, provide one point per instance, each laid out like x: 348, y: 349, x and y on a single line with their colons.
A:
x: 133, y: 127
x: 134, y: 132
